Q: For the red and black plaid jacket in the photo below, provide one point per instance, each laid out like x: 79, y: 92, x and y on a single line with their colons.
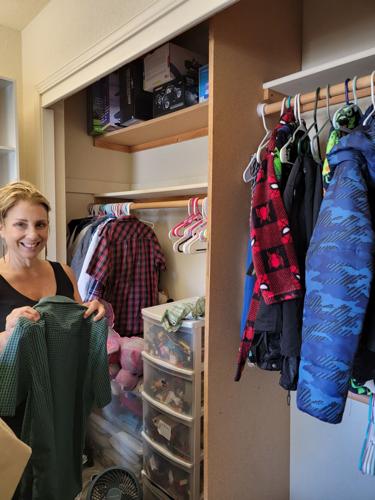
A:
x: 274, y: 259
x: 127, y: 262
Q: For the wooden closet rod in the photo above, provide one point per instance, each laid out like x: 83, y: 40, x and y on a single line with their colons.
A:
x: 161, y: 204
x: 336, y: 92
x: 155, y: 204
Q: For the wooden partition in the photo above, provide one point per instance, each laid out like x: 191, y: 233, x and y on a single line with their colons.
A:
x: 246, y: 423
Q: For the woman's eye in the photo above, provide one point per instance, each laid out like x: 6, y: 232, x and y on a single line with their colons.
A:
x: 41, y: 225
x: 20, y: 224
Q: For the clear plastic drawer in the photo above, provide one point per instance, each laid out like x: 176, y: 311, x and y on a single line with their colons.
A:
x: 175, y: 348
x: 169, y: 387
x: 175, y: 478
x: 174, y: 434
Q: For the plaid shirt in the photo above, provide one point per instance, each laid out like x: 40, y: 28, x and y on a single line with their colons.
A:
x: 127, y: 262
x: 59, y: 366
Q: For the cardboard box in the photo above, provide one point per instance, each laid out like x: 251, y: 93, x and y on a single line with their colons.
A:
x: 167, y: 63
x: 103, y: 105
x: 135, y: 103
x: 13, y: 459
x: 175, y: 95
x: 203, y: 83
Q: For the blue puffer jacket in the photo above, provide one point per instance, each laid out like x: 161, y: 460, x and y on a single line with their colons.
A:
x: 339, y: 270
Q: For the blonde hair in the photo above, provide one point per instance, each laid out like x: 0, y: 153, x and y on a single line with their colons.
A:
x: 16, y: 191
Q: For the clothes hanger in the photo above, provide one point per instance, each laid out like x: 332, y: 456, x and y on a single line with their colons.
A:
x: 264, y: 142
x: 315, y: 142
x: 300, y: 129
x: 372, y: 100
x: 247, y: 173
x: 314, y: 124
x: 189, y: 228
x: 177, y: 231
x: 198, y: 242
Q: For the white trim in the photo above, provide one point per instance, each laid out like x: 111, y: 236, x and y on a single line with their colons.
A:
x: 360, y: 64
x: 139, y: 22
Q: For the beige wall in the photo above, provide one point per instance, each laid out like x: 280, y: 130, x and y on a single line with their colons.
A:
x: 11, y: 66
x: 62, y: 31
x: 333, y: 29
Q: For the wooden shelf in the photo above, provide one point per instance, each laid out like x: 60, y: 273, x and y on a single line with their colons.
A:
x: 360, y: 63
x: 183, y: 125
x: 164, y: 192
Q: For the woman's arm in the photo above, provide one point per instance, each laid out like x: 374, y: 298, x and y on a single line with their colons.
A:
x: 93, y: 305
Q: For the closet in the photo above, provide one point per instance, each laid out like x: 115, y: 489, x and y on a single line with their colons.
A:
x: 247, y: 424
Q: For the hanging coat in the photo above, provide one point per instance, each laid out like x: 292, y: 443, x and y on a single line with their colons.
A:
x: 339, y: 272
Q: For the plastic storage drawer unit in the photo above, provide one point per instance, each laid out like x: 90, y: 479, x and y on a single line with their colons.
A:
x: 169, y: 387
x: 174, y: 434
x: 174, y: 476
x: 180, y: 348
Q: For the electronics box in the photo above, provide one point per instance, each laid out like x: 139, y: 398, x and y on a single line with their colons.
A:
x: 203, y: 83
x: 135, y: 103
x: 175, y: 95
x: 168, y: 62
x: 103, y: 105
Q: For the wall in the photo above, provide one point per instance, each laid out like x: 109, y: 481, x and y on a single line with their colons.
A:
x: 11, y: 67
x: 324, y: 460
x: 89, y: 170
x: 334, y: 29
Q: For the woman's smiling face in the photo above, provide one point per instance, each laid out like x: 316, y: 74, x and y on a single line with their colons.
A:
x: 25, y: 230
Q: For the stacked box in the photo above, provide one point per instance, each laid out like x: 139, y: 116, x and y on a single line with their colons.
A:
x: 103, y: 105
x: 135, y: 103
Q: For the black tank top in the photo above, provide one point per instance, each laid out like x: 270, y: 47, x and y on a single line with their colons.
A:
x: 10, y: 298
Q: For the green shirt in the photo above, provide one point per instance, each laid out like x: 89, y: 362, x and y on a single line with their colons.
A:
x: 59, y: 365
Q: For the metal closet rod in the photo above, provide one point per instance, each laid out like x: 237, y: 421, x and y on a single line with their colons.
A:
x: 336, y: 96
x: 155, y: 204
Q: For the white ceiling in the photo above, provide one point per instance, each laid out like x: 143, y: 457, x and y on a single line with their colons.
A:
x: 16, y: 14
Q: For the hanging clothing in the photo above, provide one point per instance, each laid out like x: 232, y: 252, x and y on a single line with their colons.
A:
x: 59, y: 366
x: 279, y: 326
x: 347, y: 119
x: 127, y: 263
x: 10, y: 299
x: 275, y: 263
x: 339, y: 269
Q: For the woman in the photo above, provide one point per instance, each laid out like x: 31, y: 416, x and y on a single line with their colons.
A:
x: 25, y: 277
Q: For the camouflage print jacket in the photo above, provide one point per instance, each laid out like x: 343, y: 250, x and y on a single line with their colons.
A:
x: 339, y: 273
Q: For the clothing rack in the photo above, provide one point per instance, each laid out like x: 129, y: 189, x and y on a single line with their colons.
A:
x: 166, y: 203
x: 336, y: 96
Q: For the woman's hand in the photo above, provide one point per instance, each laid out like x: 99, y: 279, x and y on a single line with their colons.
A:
x: 92, y: 307
x: 12, y: 318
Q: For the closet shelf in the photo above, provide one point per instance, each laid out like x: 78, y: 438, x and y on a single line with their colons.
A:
x: 179, y: 126
x: 140, y: 194
x: 360, y: 63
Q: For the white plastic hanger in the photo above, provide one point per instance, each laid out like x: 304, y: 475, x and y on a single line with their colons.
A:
x: 246, y: 176
x: 198, y: 242
x: 301, y: 128
x: 372, y: 99
x: 196, y: 220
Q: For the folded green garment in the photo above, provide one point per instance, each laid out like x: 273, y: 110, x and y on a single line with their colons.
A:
x: 176, y: 313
